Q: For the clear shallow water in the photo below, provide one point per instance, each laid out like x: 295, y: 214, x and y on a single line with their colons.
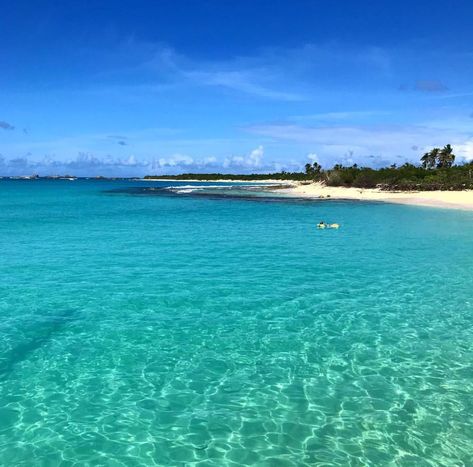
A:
x: 158, y: 329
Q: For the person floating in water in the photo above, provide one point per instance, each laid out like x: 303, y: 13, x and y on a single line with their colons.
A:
x: 323, y: 225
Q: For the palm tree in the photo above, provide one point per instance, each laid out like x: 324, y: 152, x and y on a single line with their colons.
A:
x: 317, y: 168
x: 445, y: 157
x: 425, y: 159
x: 429, y: 159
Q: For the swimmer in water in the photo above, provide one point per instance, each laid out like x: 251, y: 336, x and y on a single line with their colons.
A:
x: 323, y: 225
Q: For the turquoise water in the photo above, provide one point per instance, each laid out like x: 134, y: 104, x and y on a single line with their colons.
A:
x: 152, y: 328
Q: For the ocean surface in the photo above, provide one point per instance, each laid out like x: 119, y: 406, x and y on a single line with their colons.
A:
x: 143, y: 327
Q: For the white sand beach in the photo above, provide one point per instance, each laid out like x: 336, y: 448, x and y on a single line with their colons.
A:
x: 440, y: 199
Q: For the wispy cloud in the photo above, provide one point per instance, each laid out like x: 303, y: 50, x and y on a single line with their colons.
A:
x: 339, y: 116
x: 246, y: 75
x: 455, y: 95
x: 282, y: 74
x: 243, y: 81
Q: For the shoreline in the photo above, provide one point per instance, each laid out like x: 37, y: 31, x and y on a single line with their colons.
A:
x: 297, y: 189
x: 437, y: 199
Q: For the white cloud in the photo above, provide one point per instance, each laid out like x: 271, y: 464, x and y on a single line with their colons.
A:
x: 176, y: 160
x: 256, y: 156
x: 252, y: 160
x: 210, y: 160
x: 313, y: 157
x: 464, y: 150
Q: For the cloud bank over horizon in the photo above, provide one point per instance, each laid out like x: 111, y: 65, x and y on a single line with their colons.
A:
x: 86, y: 164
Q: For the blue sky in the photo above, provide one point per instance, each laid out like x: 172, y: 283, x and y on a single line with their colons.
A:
x: 135, y: 87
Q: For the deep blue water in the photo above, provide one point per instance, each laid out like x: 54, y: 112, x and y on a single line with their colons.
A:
x: 155, y: 328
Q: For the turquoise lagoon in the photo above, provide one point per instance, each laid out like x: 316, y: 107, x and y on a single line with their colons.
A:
x: 156, y: 327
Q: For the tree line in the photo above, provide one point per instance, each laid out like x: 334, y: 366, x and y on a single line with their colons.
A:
x: 436, y: 171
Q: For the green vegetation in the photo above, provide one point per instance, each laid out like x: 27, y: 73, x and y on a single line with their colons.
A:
x: 229, y: 177
x: 405, y: 177
x: 436, y: 172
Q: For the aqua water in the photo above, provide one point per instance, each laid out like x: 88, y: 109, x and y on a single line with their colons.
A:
x: 151, y: 328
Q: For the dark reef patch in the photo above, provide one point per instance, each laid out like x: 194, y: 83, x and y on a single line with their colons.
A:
x: 265, y: 195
